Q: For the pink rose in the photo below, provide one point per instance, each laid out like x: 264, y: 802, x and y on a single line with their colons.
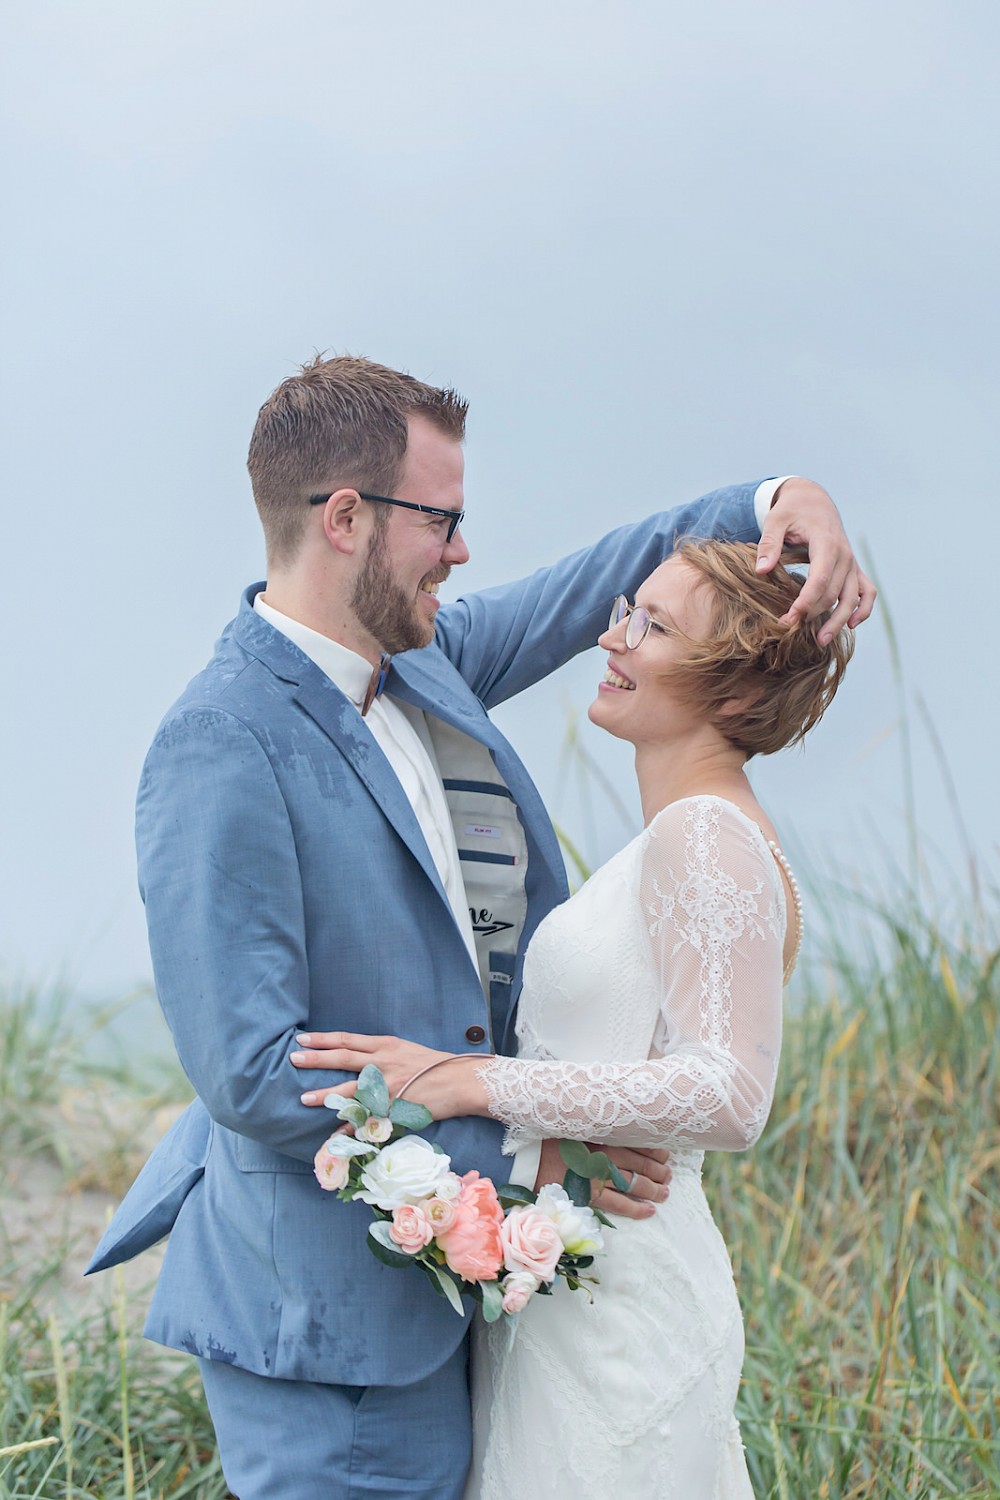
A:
x: 531, y: 1242
x: 375, y: 1130
x: 517, y: 1290
x: 472, y: 1245
x: 411, y: 1229
x: 331, y: 1171
x: 441, y: 1214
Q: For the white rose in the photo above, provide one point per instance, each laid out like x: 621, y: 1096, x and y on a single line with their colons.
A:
x: 406, y: 1172
x: 449, y: 1187
x: 578, y: 1228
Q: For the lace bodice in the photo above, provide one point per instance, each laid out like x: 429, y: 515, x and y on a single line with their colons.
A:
x: 651, y: 1009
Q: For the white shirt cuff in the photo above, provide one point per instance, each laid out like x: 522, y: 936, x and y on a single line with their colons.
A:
x: 525, y: 1168
x: 763, y: 497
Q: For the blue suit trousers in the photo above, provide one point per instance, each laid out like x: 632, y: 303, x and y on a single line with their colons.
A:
x: 288, y: 1439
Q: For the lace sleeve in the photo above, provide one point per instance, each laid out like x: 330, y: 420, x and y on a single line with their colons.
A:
x: 714, y: 918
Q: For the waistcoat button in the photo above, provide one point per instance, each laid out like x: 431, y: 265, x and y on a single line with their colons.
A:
x: 475, y: 1034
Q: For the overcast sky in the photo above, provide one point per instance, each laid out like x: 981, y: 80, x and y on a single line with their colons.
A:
x: 659, y: 248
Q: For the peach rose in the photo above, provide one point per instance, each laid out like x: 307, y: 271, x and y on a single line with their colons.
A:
x: 411, y: 1229
x: 472, y: 1246
x: 441, y: 1213
x: 331, y: 1171
x: 531, y: 1242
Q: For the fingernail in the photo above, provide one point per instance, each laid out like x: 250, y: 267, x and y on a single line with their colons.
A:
x: 298, y: 1057
x: 304, y: 1038
x: 308, y: 1098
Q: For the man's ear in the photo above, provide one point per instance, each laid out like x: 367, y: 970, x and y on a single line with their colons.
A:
x: 344, y: 521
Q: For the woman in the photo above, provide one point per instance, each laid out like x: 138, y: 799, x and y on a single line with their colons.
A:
x: 650, y: 1015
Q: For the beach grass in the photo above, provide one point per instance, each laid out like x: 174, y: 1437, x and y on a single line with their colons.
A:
x: 864, y: 1230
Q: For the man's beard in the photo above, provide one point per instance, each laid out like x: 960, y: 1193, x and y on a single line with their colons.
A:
x: 384, y: 609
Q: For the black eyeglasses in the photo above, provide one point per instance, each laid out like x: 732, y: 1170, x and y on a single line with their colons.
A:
x: 640, y: 622
x: 453, y: 517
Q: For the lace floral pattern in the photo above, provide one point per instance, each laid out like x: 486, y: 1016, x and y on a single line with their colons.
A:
x: 714, y: 931
x: 651, y: 1013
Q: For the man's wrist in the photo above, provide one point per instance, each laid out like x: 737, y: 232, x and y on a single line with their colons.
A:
x: 764, y: 497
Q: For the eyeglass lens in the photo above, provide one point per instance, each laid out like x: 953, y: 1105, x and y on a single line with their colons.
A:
x: 638, y: 621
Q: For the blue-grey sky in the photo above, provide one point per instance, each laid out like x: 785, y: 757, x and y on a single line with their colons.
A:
x: 659, y: 247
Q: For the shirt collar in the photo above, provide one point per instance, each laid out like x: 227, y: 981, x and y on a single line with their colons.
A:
x: 347, y: 670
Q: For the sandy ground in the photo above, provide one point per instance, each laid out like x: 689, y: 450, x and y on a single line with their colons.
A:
x: 53, y: 1214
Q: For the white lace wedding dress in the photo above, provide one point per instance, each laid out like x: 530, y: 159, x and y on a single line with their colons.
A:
x: 658, y: 988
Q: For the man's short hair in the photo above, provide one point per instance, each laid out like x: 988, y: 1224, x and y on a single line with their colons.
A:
x: 340, y: 422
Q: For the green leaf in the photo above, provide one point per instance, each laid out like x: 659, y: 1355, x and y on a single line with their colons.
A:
x: 383, y: 1248
x: 576, y: 1156
x: 512, y: 1193
x: 372, y: 1091
x: 338, y: 1102
x: 410, y: 1116
x: 492, y: 1300
x: 577, y: 1189
x: 618, y: 1179
x: 586, y: 1163
x: 445, y: 1286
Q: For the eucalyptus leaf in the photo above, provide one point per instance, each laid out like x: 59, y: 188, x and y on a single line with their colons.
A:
x: 577, y: 1189
x: 383, y: 1248
x: 409, y: 1115
x: 586, y: 1163
x: 342, y: 1144
x: 338, y: 1102
x: 618, y: 1179
x: 576, y: 1156
x: 492, y: 1297
x: 512, y: 1193
x: 372, y: 1091
x: 446, y: 1286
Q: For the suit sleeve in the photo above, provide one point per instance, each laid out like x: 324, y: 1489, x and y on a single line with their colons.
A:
x: 220, y: 880
x: 505, y: 639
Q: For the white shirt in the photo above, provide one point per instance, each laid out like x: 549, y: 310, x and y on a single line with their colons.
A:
x: 401, y: 733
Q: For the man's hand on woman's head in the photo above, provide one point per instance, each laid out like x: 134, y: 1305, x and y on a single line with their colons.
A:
x: 802, y: 515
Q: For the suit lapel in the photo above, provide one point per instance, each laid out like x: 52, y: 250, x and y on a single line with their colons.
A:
x: 328, y: 707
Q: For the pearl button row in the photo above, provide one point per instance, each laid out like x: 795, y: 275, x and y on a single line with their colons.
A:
x: 796, y: 906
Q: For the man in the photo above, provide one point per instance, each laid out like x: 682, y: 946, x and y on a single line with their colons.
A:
x: 314, y: 856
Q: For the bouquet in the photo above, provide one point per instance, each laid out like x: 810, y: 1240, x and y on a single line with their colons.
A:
x: 500, y: 1245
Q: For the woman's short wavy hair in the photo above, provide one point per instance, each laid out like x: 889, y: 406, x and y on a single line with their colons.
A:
x: 763, y: 684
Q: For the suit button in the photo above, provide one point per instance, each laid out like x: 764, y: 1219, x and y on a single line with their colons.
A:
x: 475, y: 1035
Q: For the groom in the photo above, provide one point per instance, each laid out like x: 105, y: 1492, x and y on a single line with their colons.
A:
x: 326, y: 841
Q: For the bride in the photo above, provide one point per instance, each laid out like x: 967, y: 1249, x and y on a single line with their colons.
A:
x: 650, y: 1016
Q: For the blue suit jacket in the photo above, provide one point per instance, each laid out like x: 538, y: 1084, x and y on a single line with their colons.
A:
x: 288, y: 887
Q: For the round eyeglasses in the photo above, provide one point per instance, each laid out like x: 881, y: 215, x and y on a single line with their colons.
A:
x: 640, y: 621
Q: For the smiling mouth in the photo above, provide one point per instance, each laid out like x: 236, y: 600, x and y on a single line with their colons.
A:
x: 613, y: 680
